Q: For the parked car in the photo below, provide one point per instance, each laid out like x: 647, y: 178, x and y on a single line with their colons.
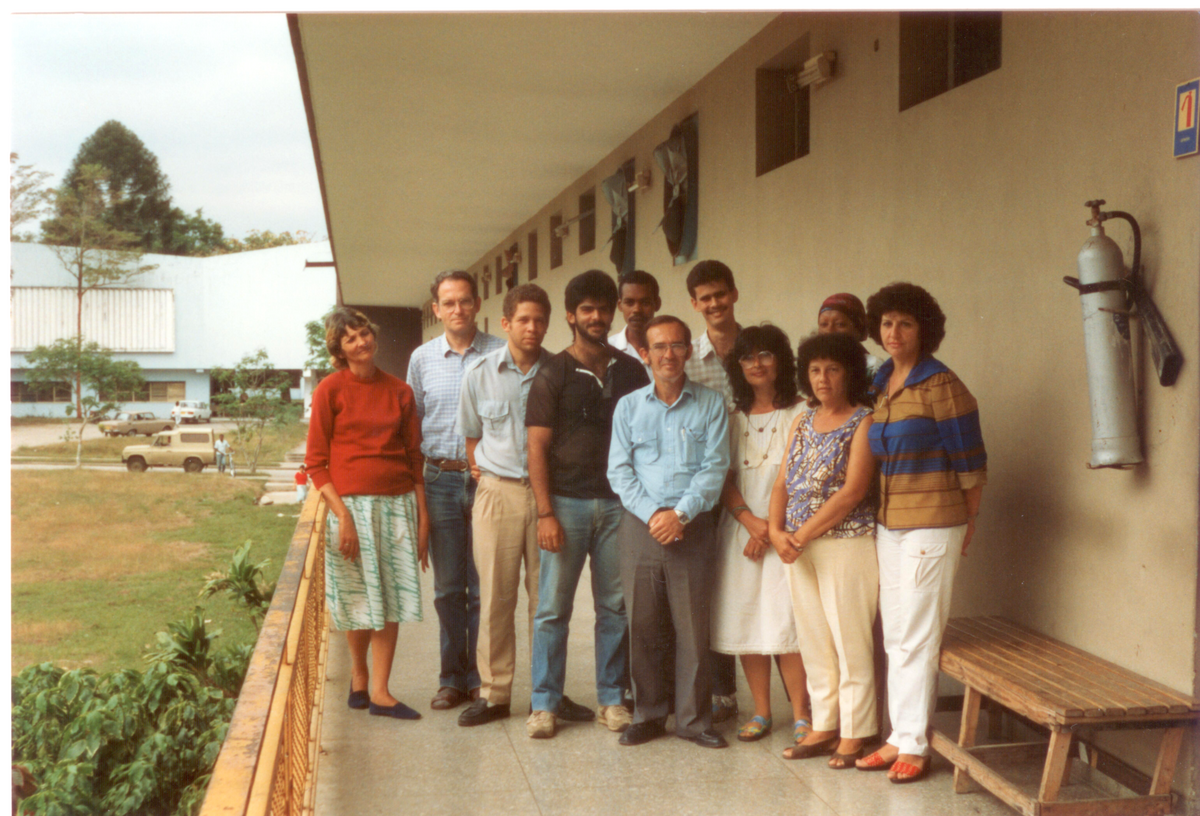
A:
x: 192, y: 450
x: 132, y: 424
x: 186, y: 411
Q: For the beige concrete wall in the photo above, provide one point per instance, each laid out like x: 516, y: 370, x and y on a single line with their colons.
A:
x: 977, y: 195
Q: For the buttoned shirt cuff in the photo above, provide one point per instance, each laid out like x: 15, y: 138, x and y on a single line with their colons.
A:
x: 644, y: 509
x: 691, y: 506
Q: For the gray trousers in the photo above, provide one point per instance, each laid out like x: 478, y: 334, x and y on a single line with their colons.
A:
x: 669, y: 586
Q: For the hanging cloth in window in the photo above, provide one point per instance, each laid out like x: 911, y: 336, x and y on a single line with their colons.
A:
x: 677, y: 158
x: 616, y: 191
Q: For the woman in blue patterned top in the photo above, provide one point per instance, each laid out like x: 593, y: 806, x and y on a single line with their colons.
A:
x: 822, y: 526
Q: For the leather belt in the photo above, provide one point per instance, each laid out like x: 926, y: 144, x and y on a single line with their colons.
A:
x: 523, y: 481
x: 455, y: 465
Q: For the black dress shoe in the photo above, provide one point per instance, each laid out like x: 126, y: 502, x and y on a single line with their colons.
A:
x: 707, y: 739
x: 571, y: 711
x: 481, y: 713
x: 642, y: 732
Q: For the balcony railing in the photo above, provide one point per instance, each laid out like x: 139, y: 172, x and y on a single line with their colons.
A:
x: 268, y: 763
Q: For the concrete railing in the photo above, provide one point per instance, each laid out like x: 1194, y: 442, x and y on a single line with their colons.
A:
x: 268, y: 763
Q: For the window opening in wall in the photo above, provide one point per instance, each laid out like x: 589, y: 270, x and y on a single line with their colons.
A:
x: 556, y: 241
x: 167, y: 391
x: 533, y: 250
x: 781, y: 109
x: 487, y: 276
x: 51, y: 392
x: 513, y: 261
x: 587, y: 221
x: 940, y: 50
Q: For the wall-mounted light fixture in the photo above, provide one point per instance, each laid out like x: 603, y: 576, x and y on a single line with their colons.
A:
x: 512, y: 256
x: 563, y: 228
x: 640, y: 182
x: 815, y: 73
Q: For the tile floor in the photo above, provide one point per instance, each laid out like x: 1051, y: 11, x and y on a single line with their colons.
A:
x: 372, y: 765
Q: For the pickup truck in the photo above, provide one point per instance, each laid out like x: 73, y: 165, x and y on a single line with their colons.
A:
x: 190, y: 449
x: 132, y: 424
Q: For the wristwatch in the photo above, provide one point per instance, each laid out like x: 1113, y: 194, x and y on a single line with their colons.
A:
x: 683, y: 517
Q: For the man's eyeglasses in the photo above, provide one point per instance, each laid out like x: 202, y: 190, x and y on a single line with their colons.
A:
x: 762, y: 357
x: 659, y: 349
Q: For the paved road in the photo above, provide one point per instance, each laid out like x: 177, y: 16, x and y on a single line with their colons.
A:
x: 51, y: 432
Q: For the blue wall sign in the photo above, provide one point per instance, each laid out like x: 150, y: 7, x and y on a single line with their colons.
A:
x: 1187, y: 135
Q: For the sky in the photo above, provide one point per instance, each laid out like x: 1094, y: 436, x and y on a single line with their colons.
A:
x: 214, y: 96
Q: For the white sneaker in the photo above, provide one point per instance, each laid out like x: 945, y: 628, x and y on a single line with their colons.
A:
x: 615, y: 717
x: 540, y: 725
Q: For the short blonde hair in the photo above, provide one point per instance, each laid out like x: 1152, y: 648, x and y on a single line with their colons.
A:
x: 336, y: 324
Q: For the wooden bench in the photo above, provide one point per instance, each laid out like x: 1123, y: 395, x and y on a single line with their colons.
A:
x: 1063, y: 689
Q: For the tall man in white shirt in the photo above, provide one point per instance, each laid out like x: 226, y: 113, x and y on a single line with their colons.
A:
x: 435, y: 373
x: 711, y: 287
x: 491, y: 417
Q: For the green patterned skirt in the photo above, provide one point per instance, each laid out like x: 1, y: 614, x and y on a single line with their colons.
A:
x: 382, y: 584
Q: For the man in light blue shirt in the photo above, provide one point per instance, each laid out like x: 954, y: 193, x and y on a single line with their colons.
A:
x: 435, y: 373
x: 491, y: 417
x: 667, y: 463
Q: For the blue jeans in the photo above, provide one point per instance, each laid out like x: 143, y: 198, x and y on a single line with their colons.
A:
x: 449, y: 496
x: 590, y: 528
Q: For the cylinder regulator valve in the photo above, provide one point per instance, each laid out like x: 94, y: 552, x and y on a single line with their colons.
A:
x: 1103, y: 294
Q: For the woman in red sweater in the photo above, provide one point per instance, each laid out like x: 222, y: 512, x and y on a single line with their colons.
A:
x: 364, y: 455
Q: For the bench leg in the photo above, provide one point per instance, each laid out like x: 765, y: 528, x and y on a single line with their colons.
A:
x: 1164, y: 769
x: 1058, y: 764
x: 966, y: 735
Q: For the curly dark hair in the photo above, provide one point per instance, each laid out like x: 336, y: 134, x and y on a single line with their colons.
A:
x: 752, y: 340
x: 914, y: 301
x: 840, y: 348
x: 336, y: 324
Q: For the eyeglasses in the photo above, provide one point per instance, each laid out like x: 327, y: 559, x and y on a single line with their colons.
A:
x: 659, y: 349
x: 762, y: 357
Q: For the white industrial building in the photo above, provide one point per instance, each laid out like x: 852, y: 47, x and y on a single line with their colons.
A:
x: 178, y: 322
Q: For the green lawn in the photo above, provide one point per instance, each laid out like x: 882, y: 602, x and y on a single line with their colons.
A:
x: 101, y: 561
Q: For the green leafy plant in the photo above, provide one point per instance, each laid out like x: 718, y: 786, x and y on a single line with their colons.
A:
x: 129, y: 742
x: 243, y: 583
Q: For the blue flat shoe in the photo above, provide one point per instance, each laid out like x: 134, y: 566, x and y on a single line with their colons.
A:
x: 400, y: 711
x: 359, y: 699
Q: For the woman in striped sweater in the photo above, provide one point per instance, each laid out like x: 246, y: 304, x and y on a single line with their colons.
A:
x: 927, y: 440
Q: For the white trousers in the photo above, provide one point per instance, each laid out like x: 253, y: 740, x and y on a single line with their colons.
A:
x: 835, y: 586
x: 916, y: 579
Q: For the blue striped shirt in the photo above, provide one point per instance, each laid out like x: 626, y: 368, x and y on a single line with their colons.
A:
x: 435, y: 373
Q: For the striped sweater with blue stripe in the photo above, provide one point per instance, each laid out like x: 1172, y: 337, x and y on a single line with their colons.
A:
x: 929, y: 446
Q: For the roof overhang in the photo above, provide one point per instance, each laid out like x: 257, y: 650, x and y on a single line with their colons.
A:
x: 437, y: 135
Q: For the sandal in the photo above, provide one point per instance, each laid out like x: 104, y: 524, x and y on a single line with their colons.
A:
x: 874, y: 762
x: 907, y: 772
x: 814, y: 749
x: 756, y: 729
x: 846, y: 761
x: 800, y: 729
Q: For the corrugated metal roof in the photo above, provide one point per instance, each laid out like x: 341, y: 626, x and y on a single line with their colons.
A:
x: 123, y: 320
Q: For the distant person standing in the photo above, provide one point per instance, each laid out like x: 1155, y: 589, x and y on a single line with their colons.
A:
x: 222, y: 448
x: 435, y: 372
x: 301, y: 484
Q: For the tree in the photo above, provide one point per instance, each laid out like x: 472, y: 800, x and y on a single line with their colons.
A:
x: 314, y: 337
x: 194, y: 235
x: 27, y: 196
x: 265, y: 239
x: 100, y: 384
x: 139, y: 194
x: 251, y: 394
x: 95, y: 254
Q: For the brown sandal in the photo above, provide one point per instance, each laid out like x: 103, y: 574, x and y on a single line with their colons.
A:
x: 815, y: 749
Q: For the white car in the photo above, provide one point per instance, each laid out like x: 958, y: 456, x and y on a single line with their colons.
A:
x: 191, y: 411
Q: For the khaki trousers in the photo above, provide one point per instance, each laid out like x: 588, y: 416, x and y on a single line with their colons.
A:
x: 504, y: 527
x: 835, y: 594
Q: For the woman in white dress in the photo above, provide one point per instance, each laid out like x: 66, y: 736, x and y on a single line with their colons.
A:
x: 752, y: 607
